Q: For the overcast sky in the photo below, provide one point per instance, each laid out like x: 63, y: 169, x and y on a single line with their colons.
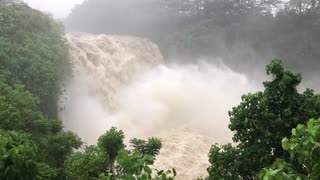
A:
x: 59, y: 8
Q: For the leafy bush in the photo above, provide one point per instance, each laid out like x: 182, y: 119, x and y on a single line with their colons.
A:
x: 260, y: 122
x: 18, y: 158
x: 109, y: 160
x: 304, y: 148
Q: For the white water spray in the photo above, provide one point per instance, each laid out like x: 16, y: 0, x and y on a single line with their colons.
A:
x: 184, y: 105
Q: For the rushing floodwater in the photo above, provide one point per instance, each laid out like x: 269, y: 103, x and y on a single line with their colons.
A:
x: 123, y: 81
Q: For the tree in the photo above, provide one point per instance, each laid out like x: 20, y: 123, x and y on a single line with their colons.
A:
x: 18, y: 108
x: 34, y: 53
x: 111, y: 143
x: 18, y: 158
x: 121, y: 163
x: 34, y: 60
x: 151, y: 147
x: 19, y: 111
x: 86, y: 165
x: 304, y: 6
x: 132, y: 165
x: 224, y: 162
x: 304, y: 148
x: 60, y: 146
x: 262, y: 119
x: 10, y: 2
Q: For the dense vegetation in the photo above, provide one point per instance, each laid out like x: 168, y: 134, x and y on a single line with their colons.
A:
x: 242, y: 32
x: 110, y: 160
x: 33, y: 53
x: 34, y: 61
x: 276, y: 131
x: 260, y: 123
x: 303, y: 147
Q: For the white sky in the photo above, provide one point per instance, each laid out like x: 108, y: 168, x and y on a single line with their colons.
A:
x: 59, y: 8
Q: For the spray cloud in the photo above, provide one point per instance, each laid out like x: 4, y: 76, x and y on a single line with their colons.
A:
x: 184, y: 105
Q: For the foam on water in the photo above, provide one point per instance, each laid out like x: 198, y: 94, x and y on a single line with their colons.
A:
x: 124, y: 82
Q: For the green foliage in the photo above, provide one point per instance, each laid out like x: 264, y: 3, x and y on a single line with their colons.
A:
x: 224, y: 162
x: 304, y: 145
x: 279, y: 170
x: 34, y: 60
x: 109, y: 160
x: 304, y: 148
x: 18, y: 108
x: 151, y: 147
x: 19, y: 111
x: 86, y: 165
x: 34, y: 53
x: 60, y: 146
x: 261, y: 121
x: 18, y: 158
x: 112, y: 142
x: 132, y: 165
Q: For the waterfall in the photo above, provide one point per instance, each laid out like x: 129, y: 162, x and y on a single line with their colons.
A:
x: 123, y: 81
